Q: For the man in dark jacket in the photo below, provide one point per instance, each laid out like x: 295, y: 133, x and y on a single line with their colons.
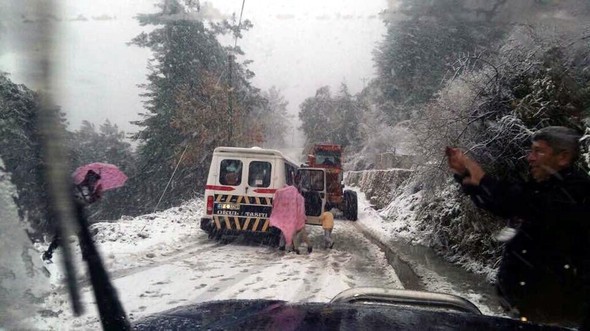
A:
x: 544, y: 273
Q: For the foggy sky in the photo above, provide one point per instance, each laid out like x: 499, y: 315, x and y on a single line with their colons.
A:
x: 297, y: 46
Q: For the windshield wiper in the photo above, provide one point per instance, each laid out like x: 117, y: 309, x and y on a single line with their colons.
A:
x: 68, y: 217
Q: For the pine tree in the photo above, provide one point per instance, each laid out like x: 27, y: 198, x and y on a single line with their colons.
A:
x: 421, y: 49
x: 315, y: 116
x: 327, y: 119
x: 20, y: 151
x: 197, y: 97
x: 274, y: 118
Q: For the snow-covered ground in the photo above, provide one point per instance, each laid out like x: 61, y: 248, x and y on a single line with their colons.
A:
x: 163, y: 260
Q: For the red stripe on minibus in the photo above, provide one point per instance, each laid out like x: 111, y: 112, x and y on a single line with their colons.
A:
x: 265, y: 190
x: 219, y: 188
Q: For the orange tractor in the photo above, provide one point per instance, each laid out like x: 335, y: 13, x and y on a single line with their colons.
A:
x: 329, y: 158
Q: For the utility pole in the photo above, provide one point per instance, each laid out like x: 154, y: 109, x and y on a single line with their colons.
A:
x: 230, y: 108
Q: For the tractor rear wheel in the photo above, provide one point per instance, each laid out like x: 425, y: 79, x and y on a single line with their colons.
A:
x: 350, y: 205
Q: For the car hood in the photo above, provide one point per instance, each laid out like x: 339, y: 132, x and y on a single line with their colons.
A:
x: 280, y: 315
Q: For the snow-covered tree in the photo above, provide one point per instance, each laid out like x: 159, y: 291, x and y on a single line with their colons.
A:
x: 275, y: 118
x: 197, y: 97
x: 20, y: 151
x: 331, y: 119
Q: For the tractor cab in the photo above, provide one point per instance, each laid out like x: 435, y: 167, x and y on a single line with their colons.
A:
x: 329, y: 158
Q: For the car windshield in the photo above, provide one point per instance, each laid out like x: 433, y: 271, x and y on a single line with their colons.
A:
x: 155, y: 154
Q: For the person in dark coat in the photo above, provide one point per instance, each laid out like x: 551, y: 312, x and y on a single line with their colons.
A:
x: 544, y: 272
x: 85, y: 193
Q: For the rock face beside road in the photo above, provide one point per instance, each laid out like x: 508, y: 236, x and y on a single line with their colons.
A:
x: 378, y: 185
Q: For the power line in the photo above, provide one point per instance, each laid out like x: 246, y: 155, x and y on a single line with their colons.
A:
x: 239, y: 24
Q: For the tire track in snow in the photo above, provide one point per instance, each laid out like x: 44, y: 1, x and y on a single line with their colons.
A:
x: 177, y: 255
x: 180, y: 255
x: 236, y: 283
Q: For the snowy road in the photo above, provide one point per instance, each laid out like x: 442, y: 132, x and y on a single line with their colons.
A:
x: 177, y: 264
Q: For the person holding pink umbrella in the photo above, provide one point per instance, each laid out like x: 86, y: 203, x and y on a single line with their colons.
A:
x: 111, y: 176
x: 89, y: 185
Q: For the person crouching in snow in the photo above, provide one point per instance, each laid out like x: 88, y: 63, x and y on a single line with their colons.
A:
x: 327, y: 219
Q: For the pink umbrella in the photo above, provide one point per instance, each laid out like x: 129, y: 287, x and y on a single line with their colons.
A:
x: 110, y: 175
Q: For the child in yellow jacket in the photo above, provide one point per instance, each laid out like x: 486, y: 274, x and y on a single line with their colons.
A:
x: 327, y: 219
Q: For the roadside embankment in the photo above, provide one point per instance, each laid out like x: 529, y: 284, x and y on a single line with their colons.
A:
x: 378, y: 185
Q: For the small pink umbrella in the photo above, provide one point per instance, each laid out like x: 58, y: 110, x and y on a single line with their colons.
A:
x: 110, y: 175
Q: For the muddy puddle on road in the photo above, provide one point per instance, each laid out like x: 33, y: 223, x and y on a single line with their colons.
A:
x: 420, y: 268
